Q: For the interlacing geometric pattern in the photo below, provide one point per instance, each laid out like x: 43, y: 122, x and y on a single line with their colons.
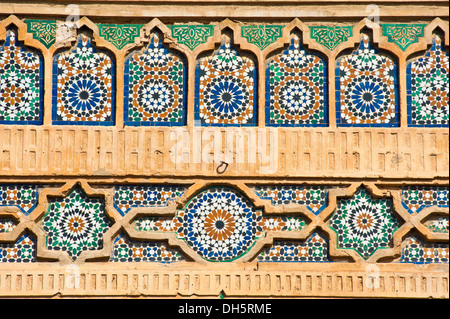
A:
x: 220, y: 224
x: 364, y: 224
x: 176, y: 223
x: 21, y: 83
x: 75, y: 223
x: 84, y: 86
x: 225, y: 89
x: 366, y: 88
x: 428, y: 87
x: 155, y: 90
x: 240, y: 75
x: 297, y: 85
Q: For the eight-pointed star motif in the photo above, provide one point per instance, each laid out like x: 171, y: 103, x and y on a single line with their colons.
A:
x: 363, y: 223
x: 75, y: 223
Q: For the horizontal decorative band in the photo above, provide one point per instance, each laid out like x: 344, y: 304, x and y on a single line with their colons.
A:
x: 242, y: 84
x: 135, y: 280
x: 226, y: 152
x: 196, y: 9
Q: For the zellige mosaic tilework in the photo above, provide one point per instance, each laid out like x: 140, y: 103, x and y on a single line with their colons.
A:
x: 22, y: 251
x: 428, y: 87
x: 128, y: 196
x: 314, y: 197
x: 22, y: 196
x: 314, y: 249
x: 226, y: 89
x: 219, y: 224
x: 127, y: 250
x: 416, y: 198
x: 75, y: 223
x: 363, y: 223
x: 296, y: 88
x: 21, y: 83
x: 155, y: 87
x: 415, y: 250
x: 7, y: 224
x: 83, y: 86
x: 367, y: 88
x: 437, y: 224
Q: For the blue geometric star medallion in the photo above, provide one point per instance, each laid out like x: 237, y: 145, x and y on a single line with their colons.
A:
x: 84, y: 86
x: 219, y: 224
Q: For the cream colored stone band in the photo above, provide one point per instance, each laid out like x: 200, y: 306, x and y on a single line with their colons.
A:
x: 274, y: 280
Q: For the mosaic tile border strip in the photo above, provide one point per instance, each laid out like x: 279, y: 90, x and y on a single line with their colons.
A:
x: 416, y: 251
x: 22, y: 251
x: 129, y: 196
x: 205, y: 223
x: 192, y: 35
x: 23, y: 196
x: 226, y: 89
x: 314, y: 249
x: 126, y: 250
x: 416, y: 198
